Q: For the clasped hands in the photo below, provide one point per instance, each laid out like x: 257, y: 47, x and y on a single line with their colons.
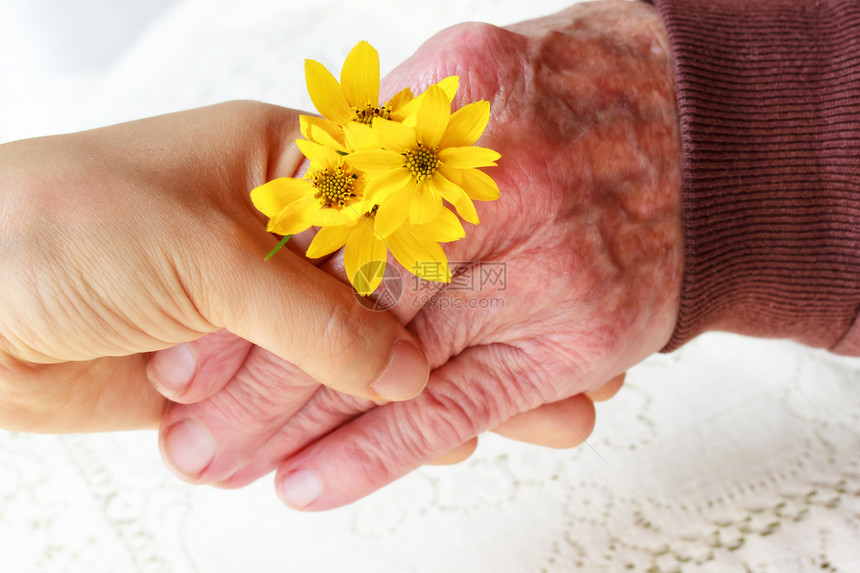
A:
x: 136, y: 294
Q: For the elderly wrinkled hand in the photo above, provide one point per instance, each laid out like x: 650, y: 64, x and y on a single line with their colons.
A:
x: 587, y: 232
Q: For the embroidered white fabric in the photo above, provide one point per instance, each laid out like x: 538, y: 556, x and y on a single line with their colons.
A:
x: 731, y: 454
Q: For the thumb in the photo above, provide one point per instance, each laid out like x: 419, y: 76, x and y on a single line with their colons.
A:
x: 306, y: 317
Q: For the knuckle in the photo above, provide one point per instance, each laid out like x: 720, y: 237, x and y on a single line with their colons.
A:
x: 455, y: 415
x: 330, y: 404
x: 249, y: 113
x: 327, y: 409
x: 346, y: 333
x: 527, y: 373
x: 241, y: 106
x: 474, y: 37
x: 259, y: 393
x: 442, y: 334
x: 340, y: 325
x: 466, y: 49
x: 449, y: 414
x: 547, y: 369
x: 240, y: 409
x: 373, y: 457
x: 405, y: 441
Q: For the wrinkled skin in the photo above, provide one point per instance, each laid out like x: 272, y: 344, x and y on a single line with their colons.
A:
x: 588, y: 226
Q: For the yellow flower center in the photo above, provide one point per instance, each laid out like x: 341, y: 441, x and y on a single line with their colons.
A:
x: 366, y: 114
x: 421, y: 162
x: 335, y: 187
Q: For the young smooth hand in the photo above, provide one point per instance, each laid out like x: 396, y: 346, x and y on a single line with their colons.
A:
x: 134, y: 238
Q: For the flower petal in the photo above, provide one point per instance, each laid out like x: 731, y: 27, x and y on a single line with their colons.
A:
x: 466, y: 125
x: 294, y: 218
x: 425, y: 204
x: 449, y: 85
x: 271, y: 198
x: 445, y: 228
x: 406, y: 113
x: 371, y: 160
x: 468, y: 157
x: 466, y: 209
x: 455, y: 195
x: 477, y: 184
x: 400, y: 99
x: 320, y: 156
x: 360, y: 76
x: 432, y: 117
x: 392, y: 212
x: 334, y: 217
x: 393, y: 136
x: 322, y: 131
x: 375, y: 272
x: 449, y: 190
x: 327, y: 241
x: 364, y: 257
x: 419, y: 256
x: 383, y: 185
x: 358, y: 136
x: 326, y: 93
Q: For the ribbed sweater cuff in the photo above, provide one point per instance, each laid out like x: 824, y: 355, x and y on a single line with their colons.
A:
x: 769, y: 105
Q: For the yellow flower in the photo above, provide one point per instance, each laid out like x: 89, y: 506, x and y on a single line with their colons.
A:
x: 427, y: 158
x: 379, y: 174
x: 331, y: 193
x: 416, y: 247
x: 355, y: 98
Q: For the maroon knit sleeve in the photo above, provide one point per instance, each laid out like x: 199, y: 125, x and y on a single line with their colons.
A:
x: 769, y: 105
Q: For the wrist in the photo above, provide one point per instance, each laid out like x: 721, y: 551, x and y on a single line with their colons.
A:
x: 770, y: 127
x: 642, y: 147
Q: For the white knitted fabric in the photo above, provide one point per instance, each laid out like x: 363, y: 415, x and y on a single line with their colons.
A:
x: 729, y: 455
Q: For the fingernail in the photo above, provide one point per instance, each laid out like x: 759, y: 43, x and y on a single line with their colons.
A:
x: 189, y: 447
x: 300, y: 489
x: 174, y: 367
x: 406, y: 375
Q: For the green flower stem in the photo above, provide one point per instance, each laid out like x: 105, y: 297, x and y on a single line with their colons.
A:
x: 278, y: 247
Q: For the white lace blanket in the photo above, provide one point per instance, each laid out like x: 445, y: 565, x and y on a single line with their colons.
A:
x: 729, y: 455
